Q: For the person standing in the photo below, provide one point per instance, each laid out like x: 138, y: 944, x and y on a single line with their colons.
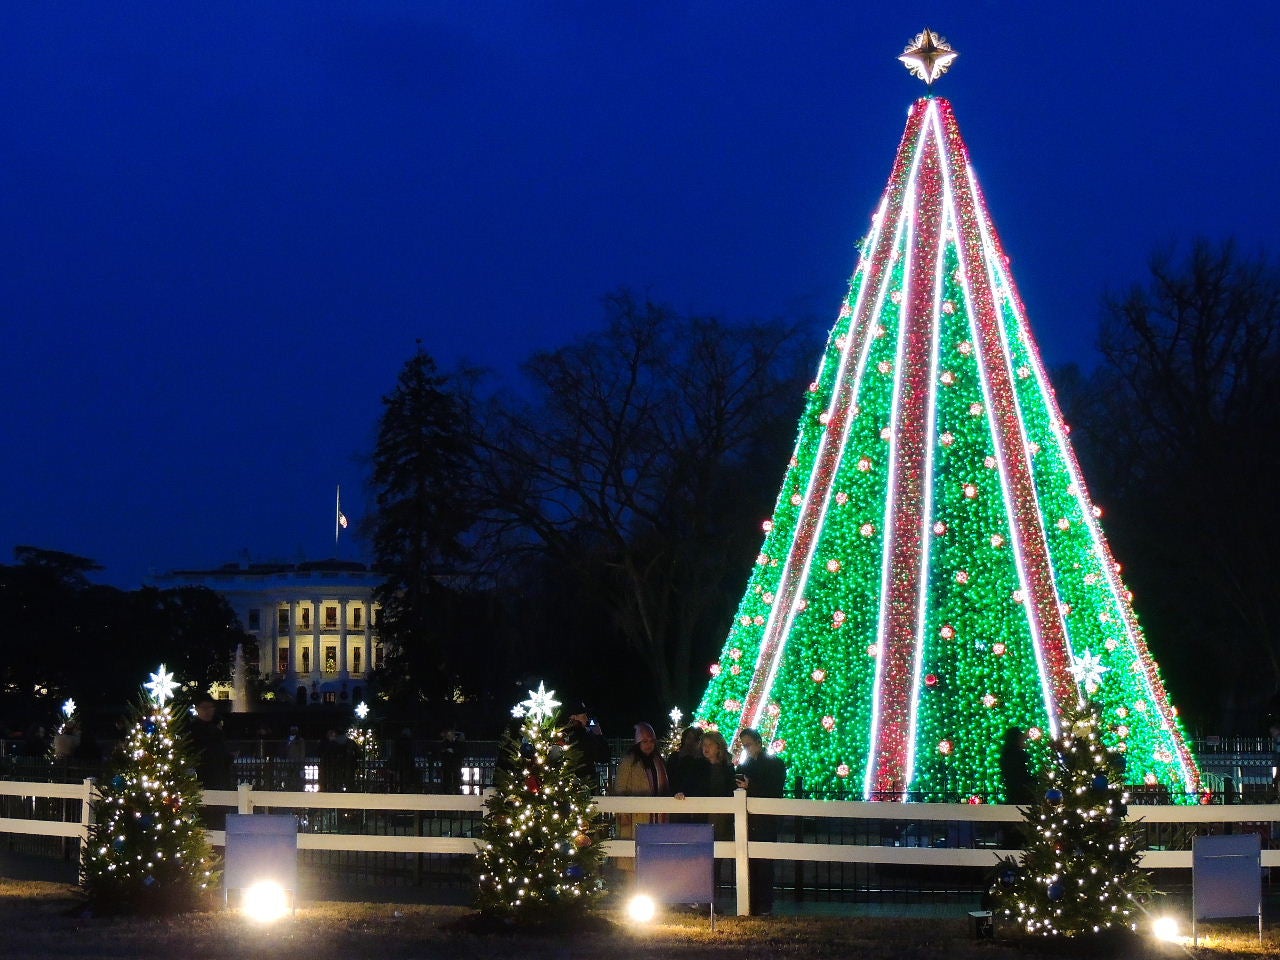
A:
x: 583, y: 733
x: 402, y: 760
x: 761, y: 775
x: 212, y: 756
x: 682, y: 764
x: 449, y: 754
x: 641, y: 773
x: 1015, y: 768
x: 712, y: 777
x: 293, y: 752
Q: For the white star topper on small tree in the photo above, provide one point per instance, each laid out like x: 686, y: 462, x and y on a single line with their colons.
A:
x: 1088, y: 670
x: 161, y: 686
x: 541, y: 703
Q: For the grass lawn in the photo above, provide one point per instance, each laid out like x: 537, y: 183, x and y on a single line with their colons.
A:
x: 43, y: 920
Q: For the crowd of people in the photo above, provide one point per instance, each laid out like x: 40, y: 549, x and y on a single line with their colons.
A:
x: 701, y: 767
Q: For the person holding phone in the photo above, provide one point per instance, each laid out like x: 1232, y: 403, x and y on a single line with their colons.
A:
x: 583, y: 733
x: 761, y: 775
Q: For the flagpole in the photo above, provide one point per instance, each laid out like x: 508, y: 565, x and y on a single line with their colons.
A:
x: 337, y: 516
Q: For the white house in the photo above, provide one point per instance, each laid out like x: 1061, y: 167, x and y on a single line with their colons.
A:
x: 315, y: 623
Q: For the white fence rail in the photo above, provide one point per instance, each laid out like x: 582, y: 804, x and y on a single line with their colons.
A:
x: 246, y: 799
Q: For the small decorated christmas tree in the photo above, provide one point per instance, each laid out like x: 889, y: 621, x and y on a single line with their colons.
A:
x: 541, y: 856
x: 366, y: 750
x: 147, y: 851
x: 675, y: 732
x: 1079, y: 873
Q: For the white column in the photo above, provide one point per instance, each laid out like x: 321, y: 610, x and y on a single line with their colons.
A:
x: 271, y: 633
x: 368, y: 637
x: 317, y: 664
x: 342, y: 639
x: 293, y: 638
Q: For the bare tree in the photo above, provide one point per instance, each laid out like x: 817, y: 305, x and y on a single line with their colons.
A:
x: 633, y: 466
x: 1187, y: 406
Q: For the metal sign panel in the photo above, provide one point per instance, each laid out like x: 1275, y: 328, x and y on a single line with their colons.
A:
x: 1226, y: 878
x: 261, y: 846
x: 675, y: 862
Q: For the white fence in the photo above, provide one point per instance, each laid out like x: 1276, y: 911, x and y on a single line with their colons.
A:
x: 247, y: 799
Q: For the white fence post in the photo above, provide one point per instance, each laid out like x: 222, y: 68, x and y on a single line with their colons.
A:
x: 244, y: 798
x: 86, y: 821
x: 740, y: 850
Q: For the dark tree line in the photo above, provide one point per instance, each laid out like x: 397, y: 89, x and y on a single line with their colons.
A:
x: 594, y: 526
x: 1179, y: 428
x: 612, y: 507
x: 68, y: 637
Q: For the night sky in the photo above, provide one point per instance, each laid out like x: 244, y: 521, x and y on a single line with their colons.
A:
x: 223, y: 226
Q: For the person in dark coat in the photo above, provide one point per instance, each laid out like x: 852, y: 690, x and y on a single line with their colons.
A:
x: 293, y: 757
x: 761, y: 776
x: 448, y: 752
x: 1015, y: 768
x: 212, y: 758
x: 712, y: 777
x: 583, y: 733
x: 403, y: 761
x: 211, y: 754
x: 337, y: 762
x: 681, y: 764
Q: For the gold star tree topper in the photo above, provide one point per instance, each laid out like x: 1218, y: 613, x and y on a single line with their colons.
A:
x: 928, y: 56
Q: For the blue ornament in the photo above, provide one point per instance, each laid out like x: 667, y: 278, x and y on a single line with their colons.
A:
x: 575, y: 872
x: 118, y: 782
x: 118, y: 844
x: 1056, y: 890
x: 1100, y: 782
x: 1008, y: 878
x: 146, y: 819
x: 1053, y: 795
x: 149, y: 726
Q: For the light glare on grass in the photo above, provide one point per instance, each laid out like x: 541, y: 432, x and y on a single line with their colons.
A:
x: 264, y: 902
x: 1166, y: 928
x: 641, y: 908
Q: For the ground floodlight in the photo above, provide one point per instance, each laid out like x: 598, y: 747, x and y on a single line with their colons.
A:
x: 641, y: 908
x: 265, y: 901
x: 1166, y: 928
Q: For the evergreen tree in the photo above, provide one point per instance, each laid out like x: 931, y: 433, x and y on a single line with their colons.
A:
x: 366, y: 751
x: 147, y: 851
x: 541, y: 858
x: 1079, y: 873
x: 421, y: 480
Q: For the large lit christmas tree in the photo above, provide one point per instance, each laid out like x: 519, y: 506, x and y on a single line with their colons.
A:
x: 1079, y: 872
x: 541, y: 856
x: 147, y: 851
x: 934, y: 574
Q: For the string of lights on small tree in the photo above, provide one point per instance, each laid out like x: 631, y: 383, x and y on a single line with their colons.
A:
x: 147, y: 851
x: 675, y: 731
x: 540, y: 856
x: 1078, y: 874
x: 366, y: 749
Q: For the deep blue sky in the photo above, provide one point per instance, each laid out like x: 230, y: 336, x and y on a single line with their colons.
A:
x: 223, y: 226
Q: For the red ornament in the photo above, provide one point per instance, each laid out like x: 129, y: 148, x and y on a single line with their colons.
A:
x: 931, y: 680
x: 532, y: 783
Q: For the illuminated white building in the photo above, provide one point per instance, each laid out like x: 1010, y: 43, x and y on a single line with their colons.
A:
x: 315, y: 623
